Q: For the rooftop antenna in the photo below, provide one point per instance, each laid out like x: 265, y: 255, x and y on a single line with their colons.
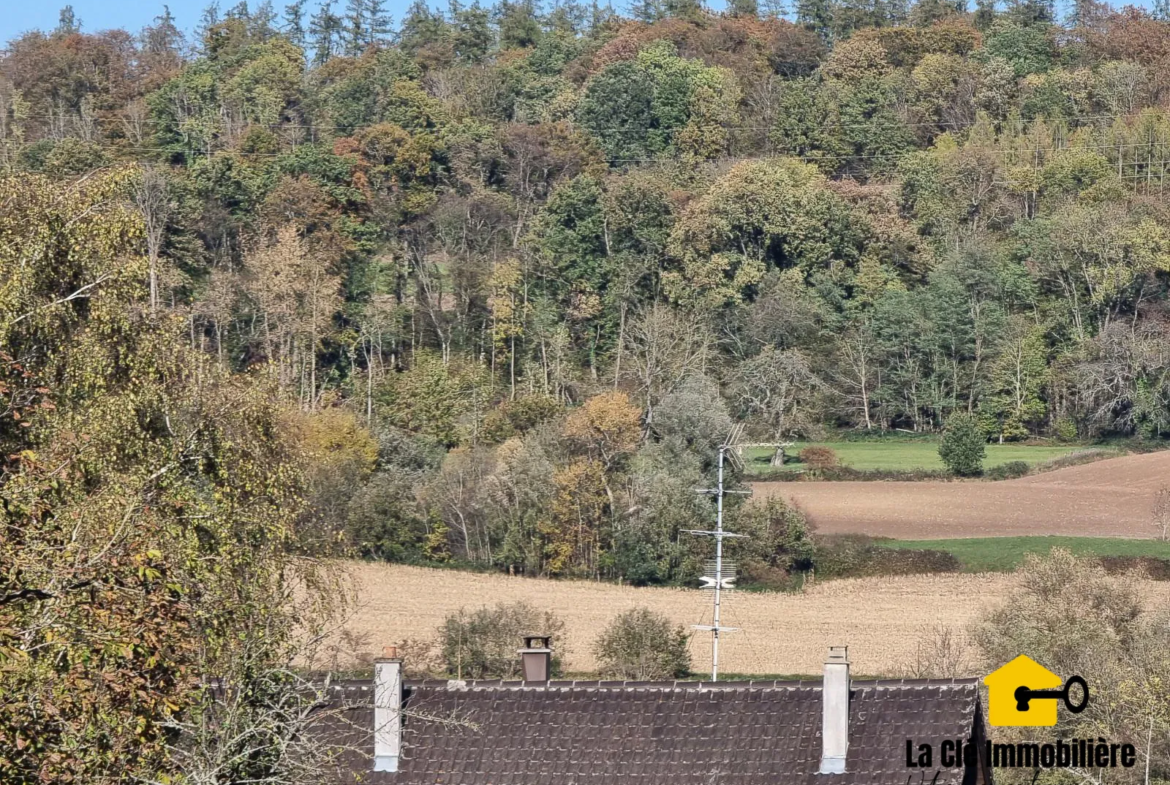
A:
x: 724, y: 575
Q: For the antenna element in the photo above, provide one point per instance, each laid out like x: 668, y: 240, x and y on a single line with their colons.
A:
x: 724, y: 575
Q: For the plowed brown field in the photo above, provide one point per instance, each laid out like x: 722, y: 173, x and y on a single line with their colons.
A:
x: 1110, y: 498
x: 882, y: 620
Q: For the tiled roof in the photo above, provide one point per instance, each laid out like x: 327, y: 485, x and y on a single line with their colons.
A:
x: 681, y: 733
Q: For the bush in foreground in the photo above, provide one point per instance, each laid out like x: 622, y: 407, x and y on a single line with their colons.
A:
x: 1074, y: 617
x: 642, y: 645
x: 482, y: 644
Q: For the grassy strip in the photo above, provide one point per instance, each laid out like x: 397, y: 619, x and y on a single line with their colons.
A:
x: 904, y: 455
x: 1004, y: 554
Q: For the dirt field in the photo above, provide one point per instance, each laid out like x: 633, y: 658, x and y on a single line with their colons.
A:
x: 880, y: 620
x: 1110, y: 498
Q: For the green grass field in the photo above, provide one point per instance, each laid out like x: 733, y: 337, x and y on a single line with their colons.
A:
x: 907, y: 455
x: 1003, y: 554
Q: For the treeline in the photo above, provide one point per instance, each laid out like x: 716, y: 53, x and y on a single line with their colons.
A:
x: 523, y: 267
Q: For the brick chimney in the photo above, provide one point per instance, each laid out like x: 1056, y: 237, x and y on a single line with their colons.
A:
x: 536, y: 658
x: 835, y: 717
x: 387, y: 710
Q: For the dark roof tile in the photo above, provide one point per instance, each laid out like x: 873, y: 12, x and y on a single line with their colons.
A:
x: 646, y: 733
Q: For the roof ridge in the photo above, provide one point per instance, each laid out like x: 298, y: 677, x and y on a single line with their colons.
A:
x: 753, y: 684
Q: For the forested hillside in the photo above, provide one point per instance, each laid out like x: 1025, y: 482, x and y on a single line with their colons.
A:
x: 521, y: 268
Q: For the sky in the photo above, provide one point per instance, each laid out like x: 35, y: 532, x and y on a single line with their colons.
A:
x: 24, y: 15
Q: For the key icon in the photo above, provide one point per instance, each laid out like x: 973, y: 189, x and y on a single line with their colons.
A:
x: 1024, y: 695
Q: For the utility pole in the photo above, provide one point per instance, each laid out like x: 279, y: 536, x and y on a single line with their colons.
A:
x: 720, y: 580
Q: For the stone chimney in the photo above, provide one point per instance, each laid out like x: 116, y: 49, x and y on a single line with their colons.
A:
x: 835, y: 718
x: 387, y: 710
x: 536, y: 658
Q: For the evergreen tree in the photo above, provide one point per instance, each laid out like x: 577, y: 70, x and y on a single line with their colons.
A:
x: 569, y: 17
x: 473, y: 32
x: 354, y: 27
x: 850, y: 15
x: 519, y: 26
x: 984, y: 14
x: 648, y: 11
x: 325, y: 33
x: 817, y: 16
x: 682, y: 9
x: 378, y: 22
x: 294, y: 22
x: 892, y: 12
x: 262, y: 23
x: 67, y: 22
x: 599, y: 15
x: 1086, y: 13
x: 421, y: 28
x: 239, y: 11
x: 164, y: 36
x: 743, y: 7
x: 1031, y: 12
x: 207, y: 20
x: 927, y: 12
x: 775, y: 9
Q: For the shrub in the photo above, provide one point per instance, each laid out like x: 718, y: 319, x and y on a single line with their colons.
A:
x: 1009, y: 470
x: 1065, y: 429
x: 849, y: 474
x: 1076, y: 458
x: 642, y: 645
x: 72, y: 156
x: 1153, y: 567
x: 1013, y: 430
x: 1109, y: 631
x: 963, y: 445
x: 819, y: 457
x: 778, y: 545
x: 1162, y: 513
x: 857, y: 556
x: 777, y: 535
x: 483, y: 644
x: 518, y: 417
x: 940, y: 652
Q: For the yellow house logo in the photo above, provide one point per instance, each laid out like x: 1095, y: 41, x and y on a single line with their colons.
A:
x: 1024, y: 693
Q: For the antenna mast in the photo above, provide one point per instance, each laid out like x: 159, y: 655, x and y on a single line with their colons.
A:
x: 724, y: 577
